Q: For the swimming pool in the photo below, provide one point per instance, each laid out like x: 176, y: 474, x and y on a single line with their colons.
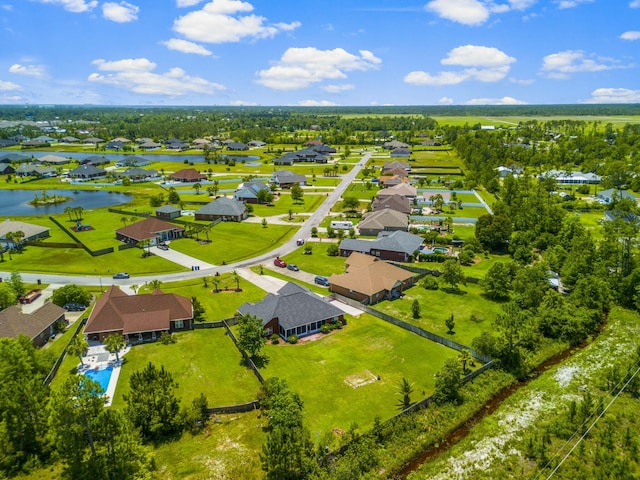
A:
x: 101, y: 376
x: 441, y: 250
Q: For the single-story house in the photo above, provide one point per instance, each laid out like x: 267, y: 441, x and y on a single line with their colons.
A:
x: 393, y: 144
x: 93, y: 140
x: 31, y: 170
x: 12, y: 157
x: 396, y: 246
x: 571, y: 178
x: 38, y: 325
x: 136, y: 174
x: 628, y: 217
x: 256, y: 143
x: 223, y: 208
x: 7, y: 142
x: 248, y: 192
x: 286, y: 160
x: 113, y: 145
x: 138, y: 318
x: 370, y: 280
x: 385, y: 220
x: 287, y: 179
x: 176, y: 144
x: 187, y: 175
x: 396, y: 164
x: 133, y: 161
x: 87, y: 172
x: 613, y: 194
x: 168, y: 212
x: 400, y: 153
x: 152, y: 229
x: 69, y: 139
x: 306, y: 155
x: 392, y: 202
x: 237, y: 146
x: 45, y: 138
x: 6, y: 169
x: 95, y: 160
x: 388, y: 181
x: 150, y: 145
x: 54, y: 160
x: 403, y: 189
x: 35, y: 143
x: 293, y: 310
x: 324, y: 149
x: 31, y: 232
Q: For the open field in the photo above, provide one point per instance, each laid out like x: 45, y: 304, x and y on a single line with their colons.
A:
x: 318, y: 263
x: 512, y: 121
x: 326, y: 372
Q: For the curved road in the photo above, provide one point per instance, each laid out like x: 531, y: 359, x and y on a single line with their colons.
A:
x: 289, y: 246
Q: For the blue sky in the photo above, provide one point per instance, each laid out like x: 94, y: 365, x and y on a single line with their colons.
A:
x: 301, y: 52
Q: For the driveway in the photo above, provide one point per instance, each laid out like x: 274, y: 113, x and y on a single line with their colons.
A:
x: 180, y: 258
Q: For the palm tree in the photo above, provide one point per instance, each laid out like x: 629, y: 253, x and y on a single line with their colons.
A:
x: 135, y: 288
x: 124, y: 221
x: 405, y: 389
x: 464, y: 357
x: 155, y: 284
x: 79, y: 347
x: 114, y: 343
x: 216, y: 283
x: 18, y: 235
x: 197, y: 187
x: 68, y: 211
x: 236, y: 278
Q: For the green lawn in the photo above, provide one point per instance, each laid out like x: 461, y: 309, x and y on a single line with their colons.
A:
x: 318, y: 263
x: 202, y: 361
x: 218, y: 306
x: 284, y: 203
x: 367, y: 347
x: 235, y: 241
x: 437, y: 305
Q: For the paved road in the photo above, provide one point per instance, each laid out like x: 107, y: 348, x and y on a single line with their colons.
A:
x: 206, y: 269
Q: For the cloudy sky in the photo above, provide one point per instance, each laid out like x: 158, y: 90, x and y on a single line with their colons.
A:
x: 324, y: 52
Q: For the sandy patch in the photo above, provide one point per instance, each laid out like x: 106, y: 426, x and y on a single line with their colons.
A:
x: 360, y: 379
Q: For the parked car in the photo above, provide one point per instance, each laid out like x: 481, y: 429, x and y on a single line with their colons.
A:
x: 299, y: 242
x: 74, y: 307
x: 121, y: 275
x: 324, y: 281
x: 293, y: 267
x: 279, y: 263
x: 163, y: 246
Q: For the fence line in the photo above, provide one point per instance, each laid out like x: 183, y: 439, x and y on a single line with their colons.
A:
x: 133, y: 214
x: 447, y: 342
x: 240, y: 408
x: 56, y: 365
x: 93, y: 253
x: 244, y: 354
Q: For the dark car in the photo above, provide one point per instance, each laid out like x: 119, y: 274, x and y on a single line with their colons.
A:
x: 74, y: 307
x: 324, y: 281
x: 293, y: 267
x: 121, y: 275
x: 163, y: 246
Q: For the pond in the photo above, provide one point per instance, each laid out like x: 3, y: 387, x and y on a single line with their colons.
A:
x: 16, y: 202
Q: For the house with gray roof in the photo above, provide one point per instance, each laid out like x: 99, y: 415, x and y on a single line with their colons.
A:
x: 87, y: 172
x: 248, y: 192
x: 237, y: 146
x: 223, y: 208
x: 293, y: 310
x: 31, y: 170
x: 136, y: 174
x: 287, y: 179
x: 31, y: 232
x: 6, y: 169
x: 613, y: 194
x: 385, y: 220
x: 39, y: 325
x: 168, y: 212
x: 397, y: 246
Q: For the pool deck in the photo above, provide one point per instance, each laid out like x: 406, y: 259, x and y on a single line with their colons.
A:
x: 97, y: 358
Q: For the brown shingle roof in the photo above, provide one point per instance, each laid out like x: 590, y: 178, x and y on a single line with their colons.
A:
x: 147, y: 228
x: 13, y: 322
x: 368, y: 275
x: 117, y: 311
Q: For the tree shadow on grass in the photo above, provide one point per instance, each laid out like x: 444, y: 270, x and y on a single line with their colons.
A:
x: 454, y: 291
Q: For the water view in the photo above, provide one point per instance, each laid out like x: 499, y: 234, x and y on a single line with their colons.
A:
x: 16, y: 202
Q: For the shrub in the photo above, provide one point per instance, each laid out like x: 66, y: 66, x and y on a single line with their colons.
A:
x: 167, y: 338
x: 430, y: 283
x: 326, y: 328
x: 275, y: 339
x: 293, y: 339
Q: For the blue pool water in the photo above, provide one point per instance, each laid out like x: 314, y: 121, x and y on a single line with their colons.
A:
x: 101, y: 376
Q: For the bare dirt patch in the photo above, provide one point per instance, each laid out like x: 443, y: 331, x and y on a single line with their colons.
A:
x: 361, y: 379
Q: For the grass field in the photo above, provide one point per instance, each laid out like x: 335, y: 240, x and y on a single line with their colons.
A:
x: 202, y: 361
x: 438, y: 305
x: 318, y: 263
x: 324, y: 371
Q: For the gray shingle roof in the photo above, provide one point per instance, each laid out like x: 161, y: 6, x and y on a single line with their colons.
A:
x: 394, y: 242
x: 293, y: 306
x: 223, y: 206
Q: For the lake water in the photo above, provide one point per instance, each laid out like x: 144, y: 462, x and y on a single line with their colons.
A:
x: 16, y: 202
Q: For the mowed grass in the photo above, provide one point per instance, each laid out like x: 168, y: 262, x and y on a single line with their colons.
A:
x: 235, y: 241
x: 367, y: 347
x: 220, y: 305
x: 284, y: 203
x: 201, y: 361
x: 318, y: 263
x: 438, y: 305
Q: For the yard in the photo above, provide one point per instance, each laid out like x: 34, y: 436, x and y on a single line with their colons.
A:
x: 318, y: 263
x: 326, y: 372
x: 438, y: 305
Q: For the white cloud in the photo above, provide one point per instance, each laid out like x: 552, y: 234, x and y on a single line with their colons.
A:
x: 75, y: 6
x: 316, y: 103
x: 301, y: 67
x: 445, y: 101
x: 522, y: 81
x: 522, y: 4
x: 137, y: 75
x: 467, y: 12
x: 187, y: 3
x: 495, y: 101
x: 9, y: 86
x: 185, y: 46
x: 631, y: 35
x: 221, y: 21
x: 560, y: 65
x: 27, y: 70
x: 634, y: 4
x: 242, y: 103
x: 484, y: 64
x: 571, y: 3
x: 122, y: 12
x: 614, y: 95
x: 337, y: 88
